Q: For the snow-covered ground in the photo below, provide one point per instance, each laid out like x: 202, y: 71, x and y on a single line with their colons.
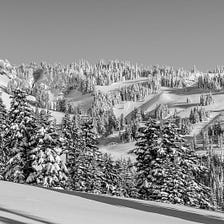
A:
x: 25, y: 204
x: 76, y: 98
x: 126, y: 107
x: 119, y: 150
x: 118, y: 85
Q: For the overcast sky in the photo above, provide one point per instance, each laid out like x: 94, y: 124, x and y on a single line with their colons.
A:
x: 180, y: 33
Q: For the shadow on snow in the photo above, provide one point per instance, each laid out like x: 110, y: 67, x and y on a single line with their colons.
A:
x: 7, y: 220
x: 138, y: 205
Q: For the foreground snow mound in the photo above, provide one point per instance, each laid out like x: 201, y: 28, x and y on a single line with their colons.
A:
x: 26, y: 204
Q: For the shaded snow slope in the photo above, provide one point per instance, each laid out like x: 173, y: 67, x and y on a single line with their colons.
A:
x: 24, y: 204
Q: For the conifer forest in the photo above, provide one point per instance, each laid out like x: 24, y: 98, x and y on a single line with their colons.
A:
x: 115, y: 128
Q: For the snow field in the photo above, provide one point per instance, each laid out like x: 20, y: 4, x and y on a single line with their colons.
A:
x: 27, y: 204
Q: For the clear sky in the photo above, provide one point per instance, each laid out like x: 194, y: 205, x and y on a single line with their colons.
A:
x: 180, y: 33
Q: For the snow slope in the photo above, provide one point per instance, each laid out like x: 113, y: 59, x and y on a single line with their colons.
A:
x: 119, y: 150
x: 118, y: 85
x: 25, y: 204
x: 126, y: 107
x: 76, y: 98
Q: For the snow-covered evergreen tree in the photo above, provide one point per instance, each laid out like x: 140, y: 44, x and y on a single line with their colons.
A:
x: 86, y: 173
x: 43, y: 118
x: 111, y: 176
x: 73, y: 147
x: 3, y: 126
x: 48, y: 169
x: 19, y: 138
x: 66, y: 127
x: 168, y: 170
x: 3, y: 114
x: 127, y: 174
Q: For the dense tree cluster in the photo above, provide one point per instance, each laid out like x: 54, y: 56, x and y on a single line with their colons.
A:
x: 34, y: 150
x: 42, y: 96
x: 38, y: 152
x: 103, y: 103
x: 42, y: 80
x: 3, y: 126
x: 137, y: 115
x: 81, y: 74
x: 184, y: 124
x: 174, y: 78
x: 129, y: 133
x: 138, y: 91
x: 198, y: 115
x: 211, y: 81
x: 215, y: 163
x: 168, y: 170
x: 213, y: 132
x: 102, y: 113
x: 161, y: 112
x: 128, y: 129
x: 31, y: 147
x: 215, y: 129
x: 206, y: 99
x: 216, y: 178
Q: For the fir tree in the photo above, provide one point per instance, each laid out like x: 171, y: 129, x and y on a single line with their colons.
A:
x: 127, y: 174
x: 3, y: 114
x: 48, y: 169
x: 111, y: 177
x: 167, y: 170
x: 73, y: 147
x: 101, y: 127
x: 19, y: 138
x: 66, y: 126
x: 3, y: 126
x: 122, y: 122
x: 86, y: 174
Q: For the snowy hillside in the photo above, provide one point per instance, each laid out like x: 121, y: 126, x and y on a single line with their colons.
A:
x: 26, y: 204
